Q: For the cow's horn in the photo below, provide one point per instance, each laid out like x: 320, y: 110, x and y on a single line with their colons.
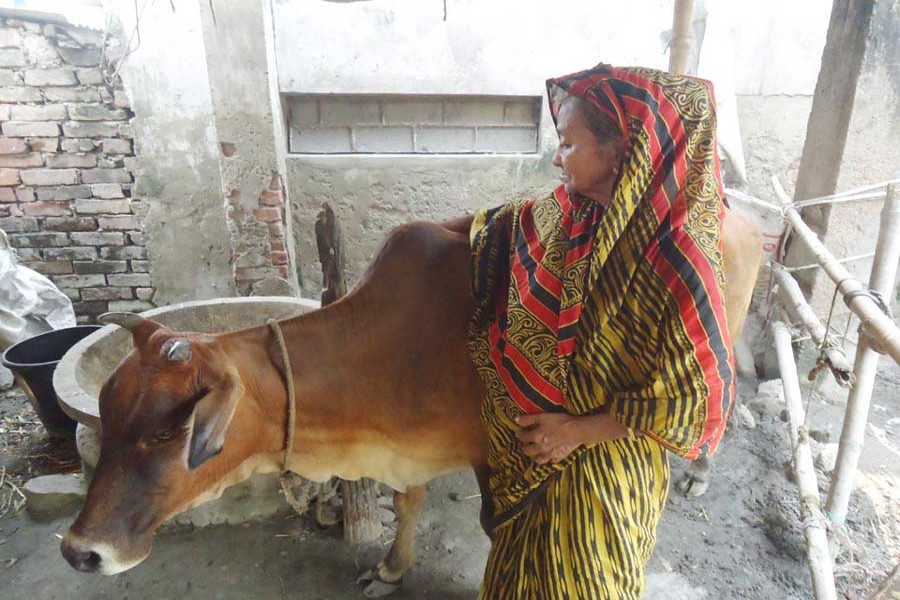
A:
x: 177, y: 350
x: 129, y: 321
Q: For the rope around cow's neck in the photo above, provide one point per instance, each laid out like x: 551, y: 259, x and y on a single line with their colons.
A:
x: 288, y: 479
x: 292, y: 401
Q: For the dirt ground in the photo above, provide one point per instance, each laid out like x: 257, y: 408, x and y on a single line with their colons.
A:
x: 740, y: 540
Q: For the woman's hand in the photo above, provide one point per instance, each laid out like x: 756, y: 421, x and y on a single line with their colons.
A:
x: 548, y: 437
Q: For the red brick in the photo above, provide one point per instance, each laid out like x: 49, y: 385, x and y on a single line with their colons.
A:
x: 94, y: 307
x: 53, y: 267
x: 12, y: 146
x: 24, y: 194
x: 69, y: 224
x: 48, y: 209
x: 277, y: 245
x: 107, y: 293
x: 270, y: 198
x: 7, y: 195
x: 9, y: 177
x: 279, y: 258
x: 22, y: 160
x: 283, y: 271
x: 41, y: 144
x: 268, y: 215
x: 276, y: 230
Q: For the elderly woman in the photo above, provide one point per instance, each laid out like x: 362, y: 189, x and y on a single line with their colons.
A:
x: 600, y: 334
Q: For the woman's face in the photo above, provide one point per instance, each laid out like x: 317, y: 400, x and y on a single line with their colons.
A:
x: 589, y: 167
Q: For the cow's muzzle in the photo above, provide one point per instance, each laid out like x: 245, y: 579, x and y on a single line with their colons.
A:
x: 86, y: 561
x: 97, y: 557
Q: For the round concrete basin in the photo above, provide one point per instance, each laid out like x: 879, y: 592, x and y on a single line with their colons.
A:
x: 89, y: 363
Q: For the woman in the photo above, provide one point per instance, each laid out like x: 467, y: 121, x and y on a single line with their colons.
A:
x: 600, y: 334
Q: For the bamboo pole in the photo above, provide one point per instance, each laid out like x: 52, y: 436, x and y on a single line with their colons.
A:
x: 680, y: 46
x: 884, y: 332
x: 887, y: 255
x: 792, y: 298
x: 817, y: 551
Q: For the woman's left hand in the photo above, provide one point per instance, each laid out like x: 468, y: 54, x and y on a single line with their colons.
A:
x: 548, y: 437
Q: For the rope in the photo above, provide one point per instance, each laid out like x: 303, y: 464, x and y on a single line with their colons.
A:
x: 820, y: 360
x: 876, y: 297
x: 288, y: 479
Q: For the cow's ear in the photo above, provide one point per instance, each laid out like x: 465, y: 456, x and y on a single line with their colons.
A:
x: 212, y: 415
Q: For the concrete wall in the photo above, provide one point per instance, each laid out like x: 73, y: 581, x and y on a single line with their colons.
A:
x: 872, y: 151
x: 211, y: 136
x: 510, y: 48
x: 179, y: 177
x: 211, y: 157
x: 501, y: 48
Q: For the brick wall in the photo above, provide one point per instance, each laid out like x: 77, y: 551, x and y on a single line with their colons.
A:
x: 66, y: 168
x: 417, y: 125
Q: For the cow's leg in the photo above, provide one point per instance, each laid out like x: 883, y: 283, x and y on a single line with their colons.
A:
x: 695, y: 480
x: 387, y: 576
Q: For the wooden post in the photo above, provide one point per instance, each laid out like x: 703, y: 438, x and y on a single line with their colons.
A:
x: 884, y: 269
x: 362, y: 523
x: 817, y: 551
x: 680, y: 45
x: 889, y: 589
x: 331, y: 255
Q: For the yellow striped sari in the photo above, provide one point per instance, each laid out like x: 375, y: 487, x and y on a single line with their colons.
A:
x: 585, y: 310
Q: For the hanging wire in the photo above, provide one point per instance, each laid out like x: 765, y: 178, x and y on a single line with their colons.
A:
x: 821, y: 362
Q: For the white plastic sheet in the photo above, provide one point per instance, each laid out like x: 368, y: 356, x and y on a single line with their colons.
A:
x: 29, y: 304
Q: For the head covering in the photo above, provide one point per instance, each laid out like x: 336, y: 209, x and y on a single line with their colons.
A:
x: 536, y: 264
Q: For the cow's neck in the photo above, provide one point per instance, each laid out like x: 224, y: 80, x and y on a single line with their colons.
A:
x: 330, y: 351
x: 324, y: 348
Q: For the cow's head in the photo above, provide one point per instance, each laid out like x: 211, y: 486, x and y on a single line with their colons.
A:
x: 164, y: 412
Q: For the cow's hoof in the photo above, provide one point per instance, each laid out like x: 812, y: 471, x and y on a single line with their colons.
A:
x: 692, y: 485
x: 377, y: 588
x: 377, y: 585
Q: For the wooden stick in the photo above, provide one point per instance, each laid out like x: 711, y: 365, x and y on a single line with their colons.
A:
x: 331, y: 255
x: 680, y: 46
x: 362, y: 523
x: 883, y: 331
x: 887, y: 255
x: 817, y: 551
x: 889, y: 589
x: 792, y: 298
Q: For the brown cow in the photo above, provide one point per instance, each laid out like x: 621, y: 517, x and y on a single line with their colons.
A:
x: 384, y: 386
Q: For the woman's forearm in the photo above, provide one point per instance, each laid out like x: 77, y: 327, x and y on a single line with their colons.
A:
x: 603, y: 427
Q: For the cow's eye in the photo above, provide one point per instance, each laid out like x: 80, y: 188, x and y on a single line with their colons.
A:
x: 162, y: 436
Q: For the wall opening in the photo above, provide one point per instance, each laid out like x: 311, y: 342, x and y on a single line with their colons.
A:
x: 380, y: 124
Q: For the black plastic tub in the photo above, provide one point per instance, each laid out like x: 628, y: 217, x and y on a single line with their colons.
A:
x: 33, y: 361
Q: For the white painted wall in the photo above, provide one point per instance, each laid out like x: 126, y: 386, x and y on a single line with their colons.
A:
x: 484, y: 46
x: 512, y: 46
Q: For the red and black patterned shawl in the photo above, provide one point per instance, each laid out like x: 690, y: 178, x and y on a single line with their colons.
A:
x: 582, y: 309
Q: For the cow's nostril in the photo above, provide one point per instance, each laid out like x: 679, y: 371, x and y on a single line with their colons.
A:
x: 91, y: 561
x: 86, y: 562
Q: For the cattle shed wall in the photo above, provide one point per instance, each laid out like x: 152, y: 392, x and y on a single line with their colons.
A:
x: 407, y: 48
x: 229, y: 200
